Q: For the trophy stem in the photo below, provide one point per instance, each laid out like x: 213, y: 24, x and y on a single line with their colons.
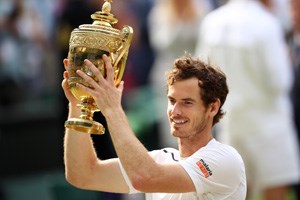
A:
x: 87, y: 108
x: 86, y: 123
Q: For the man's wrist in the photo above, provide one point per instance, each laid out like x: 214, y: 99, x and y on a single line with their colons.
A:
x: 112, y: 113
x: 74, y: 111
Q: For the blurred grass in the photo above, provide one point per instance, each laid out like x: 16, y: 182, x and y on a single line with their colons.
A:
x: 291, y: 196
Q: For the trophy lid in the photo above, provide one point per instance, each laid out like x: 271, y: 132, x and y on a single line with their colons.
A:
x: 100, y: 34
x: 102, y: 19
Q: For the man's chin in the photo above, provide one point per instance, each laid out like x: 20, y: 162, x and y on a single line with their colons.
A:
x: 175, y: 132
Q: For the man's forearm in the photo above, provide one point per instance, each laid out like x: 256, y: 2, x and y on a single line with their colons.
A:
x: 133, y: 155
x: 79, y: 153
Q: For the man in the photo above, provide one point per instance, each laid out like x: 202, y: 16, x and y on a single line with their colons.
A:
x: 168, y: 43
x: 202, y: 168
x: 248, y: 42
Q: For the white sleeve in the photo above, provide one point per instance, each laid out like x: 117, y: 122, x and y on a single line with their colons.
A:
x: 195, y: 175
x: 132, y: 190
x: 214, y: 171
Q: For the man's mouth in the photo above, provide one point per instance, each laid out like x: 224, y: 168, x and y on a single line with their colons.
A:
x: 178, y: 122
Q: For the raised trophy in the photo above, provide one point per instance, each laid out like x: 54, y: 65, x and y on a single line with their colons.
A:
x: 91, y: 41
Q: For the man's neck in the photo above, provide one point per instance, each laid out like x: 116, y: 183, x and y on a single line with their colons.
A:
x: 188, y: 146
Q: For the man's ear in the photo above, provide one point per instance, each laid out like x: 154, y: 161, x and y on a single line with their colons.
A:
x: 214, y: 107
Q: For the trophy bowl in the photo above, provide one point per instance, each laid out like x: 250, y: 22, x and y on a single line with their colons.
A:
x: 91, y: 41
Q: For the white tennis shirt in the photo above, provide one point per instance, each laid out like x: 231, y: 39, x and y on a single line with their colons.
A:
x: 217, y: 171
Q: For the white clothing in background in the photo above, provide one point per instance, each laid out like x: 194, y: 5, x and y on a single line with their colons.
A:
x: 247, y: 42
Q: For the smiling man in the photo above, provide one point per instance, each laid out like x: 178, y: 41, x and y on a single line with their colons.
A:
x: 201, y: 168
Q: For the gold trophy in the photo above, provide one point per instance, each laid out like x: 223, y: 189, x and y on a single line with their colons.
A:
x: 91, y: 41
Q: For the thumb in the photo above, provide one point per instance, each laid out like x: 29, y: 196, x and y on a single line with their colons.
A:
x: 121, y: 86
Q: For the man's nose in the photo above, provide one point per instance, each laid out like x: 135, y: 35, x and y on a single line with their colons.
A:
x: 176, y: 109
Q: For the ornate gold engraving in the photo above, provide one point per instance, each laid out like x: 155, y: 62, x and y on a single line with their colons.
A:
x: 91, y: 41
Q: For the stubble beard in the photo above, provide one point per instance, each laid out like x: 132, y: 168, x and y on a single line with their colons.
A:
x: 191, y: 132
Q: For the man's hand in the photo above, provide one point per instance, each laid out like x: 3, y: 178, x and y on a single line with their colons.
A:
x: 106, y: 95
x: 66, y: 87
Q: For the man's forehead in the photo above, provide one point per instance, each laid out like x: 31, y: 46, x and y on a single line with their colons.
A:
x: 184, y: 89
x: 191, y: 83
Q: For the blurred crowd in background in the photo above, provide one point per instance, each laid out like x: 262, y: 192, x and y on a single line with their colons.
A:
x: 34, y: 39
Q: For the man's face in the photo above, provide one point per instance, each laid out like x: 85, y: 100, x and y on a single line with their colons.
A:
x: 187, y: 115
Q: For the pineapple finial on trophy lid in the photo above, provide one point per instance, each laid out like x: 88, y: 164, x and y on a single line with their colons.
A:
x: 106, y: 6
x: 104, y: 17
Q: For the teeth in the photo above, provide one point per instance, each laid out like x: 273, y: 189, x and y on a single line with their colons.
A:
x: 179, y: 121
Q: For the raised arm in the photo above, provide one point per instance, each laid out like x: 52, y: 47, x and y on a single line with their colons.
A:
x: 83, y: 168
x: 145, y: 174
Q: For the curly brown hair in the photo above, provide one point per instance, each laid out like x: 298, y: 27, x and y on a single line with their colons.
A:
x: 212, y: 80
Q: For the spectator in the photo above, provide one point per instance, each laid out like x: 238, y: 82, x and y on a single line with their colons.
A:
x: 247, y: 41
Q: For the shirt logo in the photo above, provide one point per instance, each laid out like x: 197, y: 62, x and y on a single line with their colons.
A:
x: 204, y: 168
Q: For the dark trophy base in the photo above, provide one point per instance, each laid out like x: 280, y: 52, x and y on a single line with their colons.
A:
x: 84, y: 125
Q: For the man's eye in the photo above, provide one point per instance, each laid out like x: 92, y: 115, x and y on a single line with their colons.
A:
x: 187, y: 103
x: 172, y: 102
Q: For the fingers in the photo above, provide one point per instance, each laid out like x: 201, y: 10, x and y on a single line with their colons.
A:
x: 64, y: 84
x: 66, y: 75
x: 121, y: 86
x: 66, y: 62
x: 66, y: 87
x: 65, y: 80
x: 96, y: 72
x: 109, y: 68
x: 88, y: 79
x: 95, y: 79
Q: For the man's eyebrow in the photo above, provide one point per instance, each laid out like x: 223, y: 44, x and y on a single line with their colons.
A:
x: 184, y: 99
x: 188, y: 99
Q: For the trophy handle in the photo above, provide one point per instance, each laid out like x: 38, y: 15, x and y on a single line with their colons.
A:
x: 122, y: 53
